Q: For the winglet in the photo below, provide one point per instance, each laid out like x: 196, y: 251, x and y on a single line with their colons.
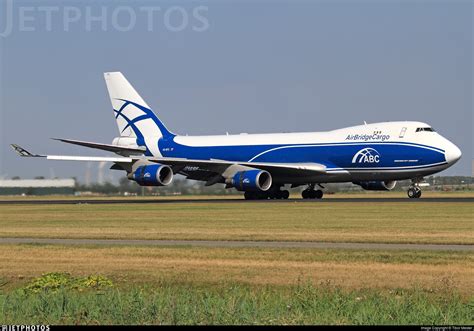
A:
x: 23, y: 152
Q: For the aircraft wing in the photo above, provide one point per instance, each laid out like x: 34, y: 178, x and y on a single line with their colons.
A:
x: 24, y: 153
x: 300, y: 168
x: 104, y: 147
x: 206, y: 168
x: 220, y: 165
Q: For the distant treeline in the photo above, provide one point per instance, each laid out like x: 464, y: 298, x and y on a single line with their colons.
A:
x: 181, y: 186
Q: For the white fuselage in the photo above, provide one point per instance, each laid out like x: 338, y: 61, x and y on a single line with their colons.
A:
x: 401, y: 151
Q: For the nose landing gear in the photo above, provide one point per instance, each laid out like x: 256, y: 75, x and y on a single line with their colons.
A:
x: 414, y: 191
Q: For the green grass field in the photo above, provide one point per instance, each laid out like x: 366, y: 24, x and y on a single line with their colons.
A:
x: 199, y: 285
x: 234, y: 304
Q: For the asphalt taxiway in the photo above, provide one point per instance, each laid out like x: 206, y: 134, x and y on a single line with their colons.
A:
x: 232, y: 200
x: 241, y: 244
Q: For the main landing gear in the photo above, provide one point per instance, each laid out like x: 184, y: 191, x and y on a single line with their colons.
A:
x: 311, y: 193
x: 414, y: 191
x: 277, y: 193
x: 271, y: 194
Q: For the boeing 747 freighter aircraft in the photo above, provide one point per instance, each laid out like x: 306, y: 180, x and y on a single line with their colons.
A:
x: 373, y: 156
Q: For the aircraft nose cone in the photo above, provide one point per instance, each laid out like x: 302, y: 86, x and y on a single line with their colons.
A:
x: 453, y: 153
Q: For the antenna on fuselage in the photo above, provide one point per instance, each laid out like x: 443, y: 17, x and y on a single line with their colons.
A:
x: 365, y: 122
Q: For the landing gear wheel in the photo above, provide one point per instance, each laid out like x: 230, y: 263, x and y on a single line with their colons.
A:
x: 414, y: 193
x: 318, y: 194
x: 250, y: 196
x: 285, y: 194
x: 305, y: 194
x: 312, y: 194
x: 262, y: 196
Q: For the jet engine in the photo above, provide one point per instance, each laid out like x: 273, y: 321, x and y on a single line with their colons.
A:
x: 252, y: 180
x: 152, y: 175
x: 387, y: 185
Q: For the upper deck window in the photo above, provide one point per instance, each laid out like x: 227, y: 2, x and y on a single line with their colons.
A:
x: 425, y: 129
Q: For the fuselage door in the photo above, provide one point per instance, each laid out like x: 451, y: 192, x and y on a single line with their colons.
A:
x: 402, y: 133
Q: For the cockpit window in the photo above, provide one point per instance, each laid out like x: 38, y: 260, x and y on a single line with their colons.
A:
x: 425, y: 129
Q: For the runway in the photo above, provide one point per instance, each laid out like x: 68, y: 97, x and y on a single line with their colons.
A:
x: 233, y: 200
x: 240, y: 244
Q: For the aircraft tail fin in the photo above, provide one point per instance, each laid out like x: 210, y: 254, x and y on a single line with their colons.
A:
x: 133, y: 115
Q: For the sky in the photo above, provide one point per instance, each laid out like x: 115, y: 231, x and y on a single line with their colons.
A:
x: 211, y: 67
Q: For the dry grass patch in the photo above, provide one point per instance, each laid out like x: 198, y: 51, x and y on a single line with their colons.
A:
x: 291, y: 221
x: 348, y: 269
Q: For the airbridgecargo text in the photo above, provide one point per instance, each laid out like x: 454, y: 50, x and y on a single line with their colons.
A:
x: 368, y: 137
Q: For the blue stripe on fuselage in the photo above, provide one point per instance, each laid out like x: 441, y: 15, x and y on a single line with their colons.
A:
x: 390, y: 154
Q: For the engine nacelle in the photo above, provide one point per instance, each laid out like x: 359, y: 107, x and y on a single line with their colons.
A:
x: 152, y: 175
x: 387, y: 185
x: 252, y: 180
